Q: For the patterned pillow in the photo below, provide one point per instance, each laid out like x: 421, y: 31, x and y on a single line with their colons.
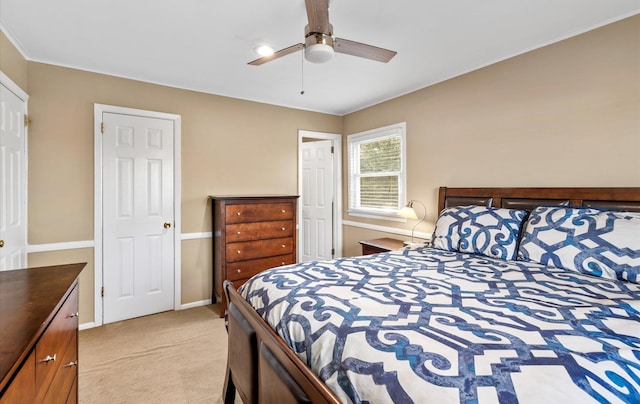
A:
x: 479, y: 230
x: 492, y: 232
x: 600, y: 243
x: 446, y: 235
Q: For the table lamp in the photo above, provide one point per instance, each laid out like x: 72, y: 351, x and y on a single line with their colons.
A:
x: 409, y: 212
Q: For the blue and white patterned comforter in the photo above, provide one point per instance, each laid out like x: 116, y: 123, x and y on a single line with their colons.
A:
x: 432, y: 326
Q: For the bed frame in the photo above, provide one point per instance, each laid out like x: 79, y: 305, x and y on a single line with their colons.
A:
x: 262, y: 368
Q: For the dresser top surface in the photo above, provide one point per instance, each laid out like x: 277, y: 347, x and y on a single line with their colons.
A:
x: 28, y: 300
x: 251, y: 197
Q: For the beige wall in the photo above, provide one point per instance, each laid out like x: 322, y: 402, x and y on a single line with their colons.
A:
x: 12, y: 63
x: 564, y: 115
x: 229, y: 146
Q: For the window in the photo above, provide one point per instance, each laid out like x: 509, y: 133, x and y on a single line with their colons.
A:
x: 377, y: 172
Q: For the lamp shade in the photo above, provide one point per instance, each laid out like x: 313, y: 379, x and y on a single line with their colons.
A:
x: 408, y: 212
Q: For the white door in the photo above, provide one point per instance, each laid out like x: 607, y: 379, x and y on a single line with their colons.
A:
x: 317, y: 200
x: 13, y: 179
x: 138, y: 216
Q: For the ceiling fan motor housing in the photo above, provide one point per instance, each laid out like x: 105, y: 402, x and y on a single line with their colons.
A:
x: 319, y: 45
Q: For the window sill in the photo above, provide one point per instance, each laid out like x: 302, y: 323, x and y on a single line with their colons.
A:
x: 392, y: 217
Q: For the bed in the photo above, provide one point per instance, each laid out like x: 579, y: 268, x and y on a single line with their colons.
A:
x: 527, y: 295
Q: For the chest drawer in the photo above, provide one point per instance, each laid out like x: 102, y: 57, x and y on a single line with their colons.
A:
x: 259, y: 249
x: 65, y: 376
x: 259, y: 230
x: 53, y: 343
x: 246, y: 269
x: 254, y: 212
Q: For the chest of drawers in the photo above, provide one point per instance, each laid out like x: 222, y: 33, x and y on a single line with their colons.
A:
x: 250, y: 234
x: 39, y: 332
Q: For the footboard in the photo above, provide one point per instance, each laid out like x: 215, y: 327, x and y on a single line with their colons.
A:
x: 260, y: 366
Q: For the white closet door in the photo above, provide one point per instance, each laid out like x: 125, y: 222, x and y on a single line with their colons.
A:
x: 317, y: 201
x: 138, y: 216
x: 13, y: 176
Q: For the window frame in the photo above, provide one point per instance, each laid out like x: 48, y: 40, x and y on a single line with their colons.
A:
x: 353, y: 162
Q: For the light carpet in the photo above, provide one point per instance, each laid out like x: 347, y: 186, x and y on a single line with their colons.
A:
x: 172, y: 357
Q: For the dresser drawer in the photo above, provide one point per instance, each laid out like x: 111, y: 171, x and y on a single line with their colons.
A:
x: 73, y: 394
x: 254, y: 212
x: 246, y: 269
x: 65, y: 376
x: 259, y: 230
x: 259, y: 249
x: 23, y: 387
x: 55, y: 340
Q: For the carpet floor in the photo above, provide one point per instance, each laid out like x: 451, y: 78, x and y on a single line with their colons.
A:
x: 173, y: 357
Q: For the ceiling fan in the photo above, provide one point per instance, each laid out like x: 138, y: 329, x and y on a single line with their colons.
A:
x: 319, y: 44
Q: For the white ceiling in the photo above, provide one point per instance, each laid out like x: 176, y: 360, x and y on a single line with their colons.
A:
x: 204, y: 45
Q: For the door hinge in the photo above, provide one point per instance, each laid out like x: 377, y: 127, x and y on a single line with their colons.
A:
x: 331, y: 149
x: 333, y: 252
x: 101, y: 127
x: 26, y: 120
x: 102, y: 291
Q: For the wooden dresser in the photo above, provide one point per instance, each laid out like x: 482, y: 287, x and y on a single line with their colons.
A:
x: 39, y: 334
x: 250, y: 234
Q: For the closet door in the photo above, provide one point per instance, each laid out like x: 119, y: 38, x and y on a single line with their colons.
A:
x: 13, y: 176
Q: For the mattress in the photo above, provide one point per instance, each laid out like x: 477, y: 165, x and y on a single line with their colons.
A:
x: 425, y: 325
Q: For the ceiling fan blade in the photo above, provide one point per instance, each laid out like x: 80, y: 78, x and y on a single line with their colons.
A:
x: 276, y: 55
x: 363, y: 50
x: 318, y: 15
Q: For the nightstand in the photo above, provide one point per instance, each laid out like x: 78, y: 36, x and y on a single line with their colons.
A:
x: 379, y: 245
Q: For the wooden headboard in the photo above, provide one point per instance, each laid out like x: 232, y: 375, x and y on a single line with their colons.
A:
x: 528, y: 198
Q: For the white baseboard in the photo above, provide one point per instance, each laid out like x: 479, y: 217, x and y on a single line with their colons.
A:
x: 195, y: 236
x: 86, y: 326
x: 195, y: 304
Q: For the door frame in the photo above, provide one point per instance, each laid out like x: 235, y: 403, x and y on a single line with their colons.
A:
x: 336, y: 142
x: 98, y: 110
x: 24, y: 199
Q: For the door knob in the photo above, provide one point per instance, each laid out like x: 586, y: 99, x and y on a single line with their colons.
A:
x: 1, y: 243
x: 167, y: 225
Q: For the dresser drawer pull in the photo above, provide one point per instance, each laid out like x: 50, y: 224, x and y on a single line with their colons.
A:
x: 284, y: 228
x: 238, y: 213
x: 72, y: 315
x: 282, y: 262
x: 238, y: 270
x: 239, y: 251
x: 49, y: 358
x: 71, y: 364
x: 284, y: 211
x: 238, y: 233
x: 284, y: 245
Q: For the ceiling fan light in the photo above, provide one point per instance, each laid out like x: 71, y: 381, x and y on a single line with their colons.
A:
x: 318, y: 53
x: 264, y: 50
